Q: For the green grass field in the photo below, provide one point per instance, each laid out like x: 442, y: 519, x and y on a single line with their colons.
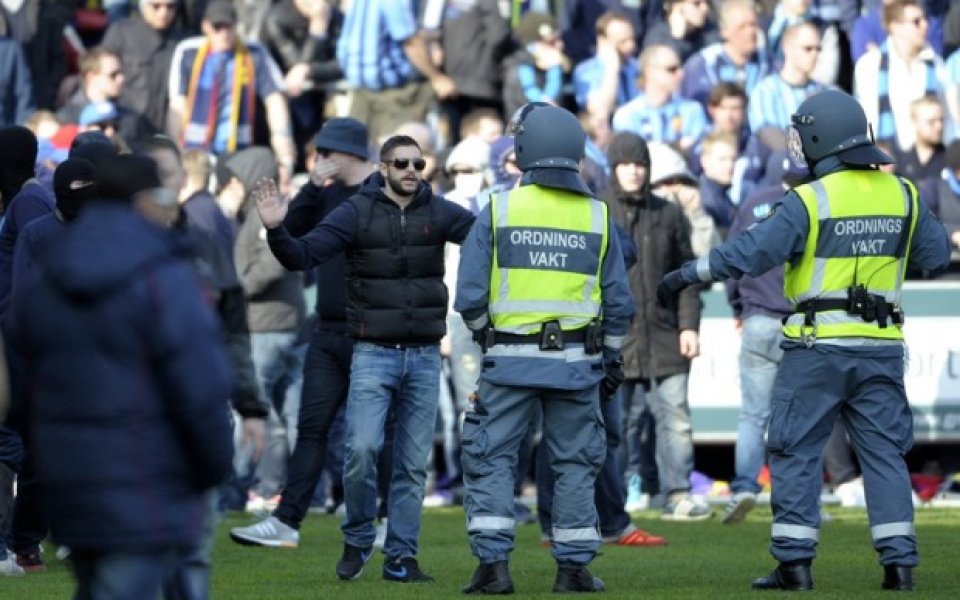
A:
x: 702, y: 560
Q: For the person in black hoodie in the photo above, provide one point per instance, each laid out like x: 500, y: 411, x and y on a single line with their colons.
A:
x: 661, y: 342
x: 393, y: 231
x: 133, y: 429
x: 340, y: 169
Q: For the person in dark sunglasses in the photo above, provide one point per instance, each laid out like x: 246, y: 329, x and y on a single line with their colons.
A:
x: 393, y: 232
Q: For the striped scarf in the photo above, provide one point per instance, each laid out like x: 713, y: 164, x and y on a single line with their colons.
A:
x: 202, y: 113
x: 886, y: 126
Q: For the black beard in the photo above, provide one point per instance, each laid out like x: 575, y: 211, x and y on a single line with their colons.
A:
x: 395, y: 185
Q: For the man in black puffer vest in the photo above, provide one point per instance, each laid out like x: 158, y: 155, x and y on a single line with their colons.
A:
x: 393, y: 232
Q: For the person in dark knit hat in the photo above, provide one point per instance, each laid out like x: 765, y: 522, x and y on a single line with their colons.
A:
x: 341, y: 166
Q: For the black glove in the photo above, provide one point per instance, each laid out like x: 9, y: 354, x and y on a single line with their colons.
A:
x: 613, y: 377
x: 670, y: 285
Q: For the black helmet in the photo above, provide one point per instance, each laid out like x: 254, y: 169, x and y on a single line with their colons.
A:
x: 546, y: 137
x: 833, y: 123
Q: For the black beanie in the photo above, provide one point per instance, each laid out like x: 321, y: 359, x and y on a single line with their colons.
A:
x: 18, y: 156
x: 73, y: 184
x: 627, y: 147
x: 126, y: 175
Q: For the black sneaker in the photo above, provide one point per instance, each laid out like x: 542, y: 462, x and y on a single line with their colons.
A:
x: 351, y: 563
x: 405, y: 570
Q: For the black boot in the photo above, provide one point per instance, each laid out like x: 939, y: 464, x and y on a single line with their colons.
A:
x: 787, y: 576
x: 575, y: 579
x: 897, y: 578
x: 490, y: 578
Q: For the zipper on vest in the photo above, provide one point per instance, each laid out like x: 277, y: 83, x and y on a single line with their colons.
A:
x: 403, y: 220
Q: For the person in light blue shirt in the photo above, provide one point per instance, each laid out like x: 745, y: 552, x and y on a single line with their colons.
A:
x: 777, y: 96
x: 609, y: 79
x: 659, y: 114
x: 739, y: 58
x: 387, y: 63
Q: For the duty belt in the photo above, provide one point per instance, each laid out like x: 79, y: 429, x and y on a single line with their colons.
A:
x: 568, y: 337
x: 872, y: 308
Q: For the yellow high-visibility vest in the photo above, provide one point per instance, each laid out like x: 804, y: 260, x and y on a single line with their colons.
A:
x: 857, y: 219
x: 548, y: 245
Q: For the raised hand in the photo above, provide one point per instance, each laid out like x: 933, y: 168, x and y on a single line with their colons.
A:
x: 270, y: 204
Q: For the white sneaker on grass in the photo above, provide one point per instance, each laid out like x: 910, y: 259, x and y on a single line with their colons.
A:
x: 684, y: 507
x: 10, y: 568
x: 738, y: 507
x: 270, y: 532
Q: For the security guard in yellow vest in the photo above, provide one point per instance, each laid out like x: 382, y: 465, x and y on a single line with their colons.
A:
x: 847, y: 238
x: 543, y: 287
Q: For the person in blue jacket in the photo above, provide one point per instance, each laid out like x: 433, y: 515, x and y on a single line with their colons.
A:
x: 846, y: 239
x: 128, y: 381
x: 542, y: 285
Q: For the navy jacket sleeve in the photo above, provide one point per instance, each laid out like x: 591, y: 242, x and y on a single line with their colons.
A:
x: 772, y: 242
x: 930, y: 246
x: 329, y: 237
x: 460, y: 221
x: 616, y: 298
x: 473, y: 274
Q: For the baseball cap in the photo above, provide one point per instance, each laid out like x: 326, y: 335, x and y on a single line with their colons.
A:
x: 220, y: 11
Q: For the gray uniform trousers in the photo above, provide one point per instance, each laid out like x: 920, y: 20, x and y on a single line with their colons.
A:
x: 813, y: 387
x: 574, y: 434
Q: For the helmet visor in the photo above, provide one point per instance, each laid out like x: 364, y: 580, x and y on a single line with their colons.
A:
x: 515, y: 124
x: 795, y: 148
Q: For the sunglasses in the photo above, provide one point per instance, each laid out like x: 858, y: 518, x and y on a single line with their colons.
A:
x: 402, y: 163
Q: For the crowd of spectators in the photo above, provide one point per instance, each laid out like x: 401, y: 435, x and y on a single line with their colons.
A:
x: 698, y: 76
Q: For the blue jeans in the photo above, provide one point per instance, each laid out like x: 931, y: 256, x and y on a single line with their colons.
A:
x: 278, y: 363
x: 122, y: 575
x: 667, y: 401
x: 409, y: 380
x: 760, y: 355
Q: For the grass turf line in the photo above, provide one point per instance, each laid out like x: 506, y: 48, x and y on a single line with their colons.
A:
x: 702, y: 560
